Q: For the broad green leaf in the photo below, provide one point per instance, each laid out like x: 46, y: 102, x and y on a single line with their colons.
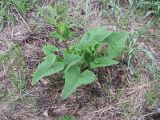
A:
x: 57, y: 67
x: 40, y: 73
x: 49, y: 49
x: 69, y: 57
x: 75, y: 62
x: 116, y: 43
x: 93, y: 37
x: 41, y: 70
x: 71, y: 60
x: 58, y: 36
x: 46, y: 68
x: 49, y: 60
x: 102, y: 62
x: 74, y: 78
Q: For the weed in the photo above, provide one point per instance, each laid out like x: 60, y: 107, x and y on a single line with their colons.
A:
x: 3, y: 94
x: 90, y: 53
x: 151, y: 7
x: 16, y: 70
x: 53, y: 14
x: 152, y: 97
x: 67, y: 117
x: 5, y: 15
x: 9, y: 9
x: 20, y: 5
x: 63, y: 32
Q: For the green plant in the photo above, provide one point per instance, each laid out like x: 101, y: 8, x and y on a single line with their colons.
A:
x: 96, y: 49
x: 3, y: 94
x: 53, y: 14
x: 17, y: 71
x: 9, y: 9
x: 56, y: 16
x: 21, y: 5
x: 62, y: 33
x: 151, y: 7
x: 67, y: 117
x: 152, y: 97
x: 5, y: 15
